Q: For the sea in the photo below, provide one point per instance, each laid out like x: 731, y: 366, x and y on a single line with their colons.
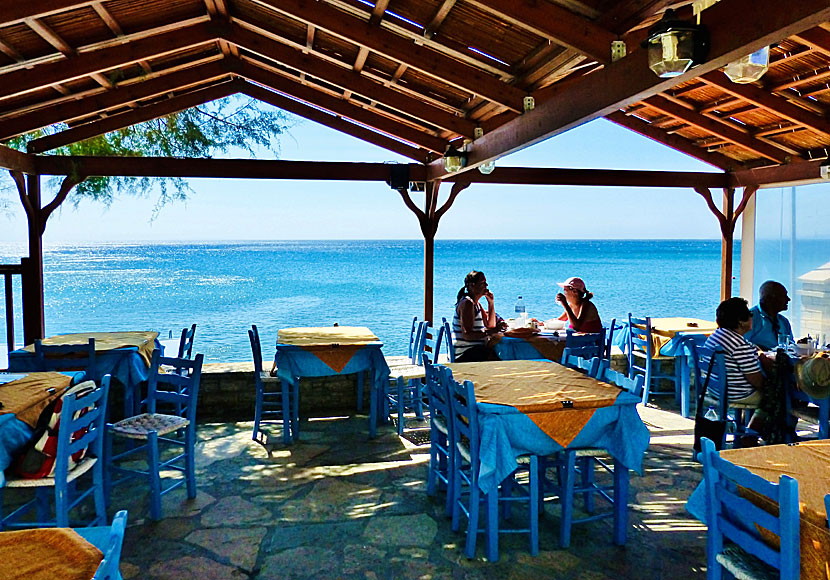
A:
x: 224, y: 287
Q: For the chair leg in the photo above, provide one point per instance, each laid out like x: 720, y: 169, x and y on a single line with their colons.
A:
x: 684, y: 380
x: 620, y: 502
x: 567, y: 499
x: 42, y: 504
x: 98, y: 493
x: 472, y: 520
x: 257, y: 412
x: 154, y: 475
x: 533, y: 512
x: 401, y: 404
x: 450, y: 481
x: 587, y: 471
x: 108, y: 464
x: 190, y: 460
x: 492, y: 527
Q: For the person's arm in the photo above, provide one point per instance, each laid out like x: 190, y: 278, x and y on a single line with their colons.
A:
x: 468, y: 316
x: 755, y: 379
x: 746, y: 357
x: 489, y: 317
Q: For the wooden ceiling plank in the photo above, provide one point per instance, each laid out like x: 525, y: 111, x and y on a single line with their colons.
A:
x: 719, y: 128
x: 341, y: 107
x: 139, y: 115
x: 736, y: 27
x: 817, y: 39
x: 765, y: 100
x: 555, y: 23
x: 309, y: 38
x: 9, y: 51
x: 50, y: 36
x: 18, y: 11
x: 431, y: 29
x: 22, y: 81
x: 14, y: 125
x: 108, y: 18
x: 348, y: 79
x: 360, y: 60
x: 676, y: 142
x: 333, y: 122
x: 801, y: 80
x: 391, y: 45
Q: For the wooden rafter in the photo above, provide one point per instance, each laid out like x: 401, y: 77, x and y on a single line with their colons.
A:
x: 378, y: 11
x: 16, y: 12
x: 736, y: 27
x: 431, y: 29
x: 555, y: 23
x: 347, y: 79
x: 393, y: 46
x: 138, y: 115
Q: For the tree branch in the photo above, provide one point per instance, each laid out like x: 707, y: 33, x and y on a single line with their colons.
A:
x: 67, y: 184
x: 20, y: 182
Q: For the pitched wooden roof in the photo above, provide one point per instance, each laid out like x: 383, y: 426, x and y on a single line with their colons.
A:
x: 415, y: 75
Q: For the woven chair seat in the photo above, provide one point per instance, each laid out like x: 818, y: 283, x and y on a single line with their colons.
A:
x: 140, y: 426
x: 807, y: 413
x: 744, y: 566
x: 267, y: 378
x: 85, y: 464
x: 407, y: 371
x: 398, y: 361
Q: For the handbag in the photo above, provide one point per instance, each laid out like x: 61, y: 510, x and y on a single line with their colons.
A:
x: 713, y: 429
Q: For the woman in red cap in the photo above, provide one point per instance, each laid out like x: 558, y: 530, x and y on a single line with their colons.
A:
x: 580, y: 312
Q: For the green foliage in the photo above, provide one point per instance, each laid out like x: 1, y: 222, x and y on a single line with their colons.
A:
x: 230, y: 125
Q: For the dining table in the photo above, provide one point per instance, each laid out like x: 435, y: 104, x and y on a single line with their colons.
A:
x: 541, y: 407
x: 525, y: 344
x: 327, y: 351
x: 23, y: 396
x: 123, y: 355
x: 808, y: 463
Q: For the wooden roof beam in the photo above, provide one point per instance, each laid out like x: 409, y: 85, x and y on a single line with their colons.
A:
x: 17, y: 161
x: 378, y: 12
x: 596, y: 177
x: 763, y: 99
x: 14, y: 125
x: 781, y: 175
x: 719, y: 128
x: 17, y: 12
x: 676, y: 142
x: 85, y: 64
x: 133, y: 117
x: 116, y: 29
x: 338, y: 107
x: 736, y: 27
x: 555, y: 23
x: 431, y: 29
x: 818, y: 39
x: 391, y: 45
x: 333, y: 122
x: 348, y: 79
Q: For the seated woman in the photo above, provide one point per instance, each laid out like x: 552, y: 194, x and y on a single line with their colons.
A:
x: 471, y: 325
x: 580, y: 312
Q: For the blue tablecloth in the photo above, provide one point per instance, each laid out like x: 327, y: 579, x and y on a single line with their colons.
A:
x: 507, y: 433
x: 294, y: 362
x: 513, y: 348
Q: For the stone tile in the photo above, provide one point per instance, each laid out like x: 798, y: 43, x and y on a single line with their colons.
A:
x: 321, y: 534
x: 234, y: 511
x: 332, y: 499
x: 177, y: 504
x: 239, y: 546
x: 302, y: 562
x: 412, y: 530
x: 194, y: 567
x: 208, y: 452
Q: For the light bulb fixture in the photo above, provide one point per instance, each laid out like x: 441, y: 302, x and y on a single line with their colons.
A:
x: 749, y: 68
x: 674, y: 46
x: 454, y: 159
x: 487, y: 168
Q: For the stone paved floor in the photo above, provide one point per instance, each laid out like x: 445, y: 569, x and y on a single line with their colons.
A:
x: 338, y: 505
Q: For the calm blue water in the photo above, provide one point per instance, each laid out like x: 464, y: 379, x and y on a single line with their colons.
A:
x: 224, y: 287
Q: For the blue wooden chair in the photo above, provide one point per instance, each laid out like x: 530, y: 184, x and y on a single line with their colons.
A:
x: 734, y: 519
x: 108, y: 539
x: 66, y: 357
x: 643, y: 360
x: 273, y: 399
x: 441, y: 449
x: 155, y: 428
x: 80, y: 429
x: 579, y: 465
x: 405, y: 389
x: 580, y: 359
x: 610, y: 329
x: 467, y: 496
x: 444, y: 342
x: 811, y: 410
x: 589, y: 344
x: 413, y: 353
x: 735, y: 413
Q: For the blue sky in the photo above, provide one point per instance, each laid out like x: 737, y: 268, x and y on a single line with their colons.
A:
x: 258, y: 209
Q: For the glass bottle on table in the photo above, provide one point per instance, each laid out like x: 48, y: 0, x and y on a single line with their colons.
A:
x: 521, y: 313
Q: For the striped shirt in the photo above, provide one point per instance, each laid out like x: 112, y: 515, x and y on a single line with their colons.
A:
x: 740, y: 359
x: 459, y: 343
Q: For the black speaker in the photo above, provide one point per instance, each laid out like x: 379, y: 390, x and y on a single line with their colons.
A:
x: 399, y: 176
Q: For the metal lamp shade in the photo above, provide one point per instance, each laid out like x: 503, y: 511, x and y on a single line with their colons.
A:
x: 671, y: 53
x: 454, y: 160
x: 749, y: 68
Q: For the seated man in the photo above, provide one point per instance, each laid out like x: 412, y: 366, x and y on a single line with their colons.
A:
x: 768, y: 326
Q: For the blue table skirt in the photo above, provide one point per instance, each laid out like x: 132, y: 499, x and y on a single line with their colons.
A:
x: 124, y: 364
x: 507, y: 433
x: 672, y: 348
x: 512, y: 348
x: 14, y: 434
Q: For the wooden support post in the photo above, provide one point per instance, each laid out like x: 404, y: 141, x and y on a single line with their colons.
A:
x: 428, y: 219
x: 28, y: 188
x: 727, y: 219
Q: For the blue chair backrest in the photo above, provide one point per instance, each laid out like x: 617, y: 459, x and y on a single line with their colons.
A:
x: 178, y: 390
x: 82, y: 423
x: 573, y: 359
x: 186, y: 342
x: 716, y: 382
x: 66, y: 357
x: 589, y: 344
x: 427, y: 344
x: 419, y: 341
x: 437, y: 390
x: 108, y: 568
x: 444, y: 341
x: 731, y: 516
x: 609, y: 336
x: 465, y: 420
x: 639, y: 341
x: 633, y: 386
x: 412, y: 337
x: 256, y: 347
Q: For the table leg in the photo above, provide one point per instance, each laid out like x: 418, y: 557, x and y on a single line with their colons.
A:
x: 373, y: 406
x: 285, y: 389
x: 360, y: 383
x: 684, y: 381
x: 620, y: 502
